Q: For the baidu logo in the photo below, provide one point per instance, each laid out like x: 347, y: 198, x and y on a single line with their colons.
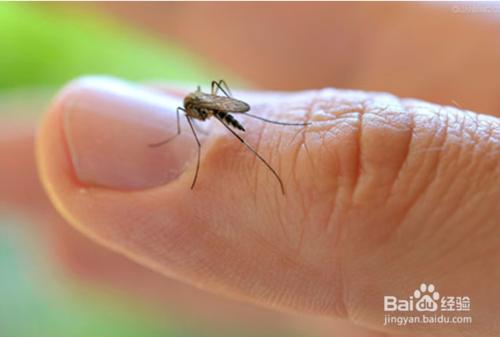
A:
x: 427, y: 298
x: 426, y: 306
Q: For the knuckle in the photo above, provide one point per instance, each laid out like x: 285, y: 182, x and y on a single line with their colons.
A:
x: 359, y: 143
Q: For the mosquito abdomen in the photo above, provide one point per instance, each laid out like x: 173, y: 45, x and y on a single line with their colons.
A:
x: 229, y: 119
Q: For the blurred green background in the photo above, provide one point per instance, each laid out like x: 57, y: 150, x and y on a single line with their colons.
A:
x: 41, y: 48
x: 48, y: 46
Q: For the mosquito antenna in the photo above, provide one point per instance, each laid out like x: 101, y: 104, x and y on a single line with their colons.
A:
x: 276, y: 122
x: 255, y: 152
x: 199, y: 150
x: 170, y: 138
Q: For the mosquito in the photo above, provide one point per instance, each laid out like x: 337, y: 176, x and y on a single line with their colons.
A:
x: 201, y: 106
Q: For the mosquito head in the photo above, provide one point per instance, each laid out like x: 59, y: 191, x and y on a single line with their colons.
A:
x: 188, y: 99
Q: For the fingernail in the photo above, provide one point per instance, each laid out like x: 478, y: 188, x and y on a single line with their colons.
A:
x: 109, y: 125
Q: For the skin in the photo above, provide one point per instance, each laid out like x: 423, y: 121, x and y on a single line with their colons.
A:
x: 382, y: 193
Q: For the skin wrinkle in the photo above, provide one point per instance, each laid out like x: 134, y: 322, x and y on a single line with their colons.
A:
x: 334, y: 208
x: 323, y: 141
x: 326, y: 134
x: 462, y: 194
x: 465, y: 146
x: 309, y: 112
x: 340, y: 305
x: 429, y: 181
x: 366, y: 110
x: 474, y: 134
x: 490, y: 150
x: 473, y: 141
x: 327, y: 222
x: 305, y: 210
x: 299, y: 148
x: 336, y: 195
x: 388, y: 121
x: 304, y: 138
x: 359, y: 155
x: 400, y: 219
x: 492, y: 136
x: 462, y: 133
x: 408, y: 147
x: 303, y: 133
x: 296, y: 153
x: 332, y: 211
x: 310, y: 161
x: 479, y: 139
x: 294, y: 165
x: 444, y: 164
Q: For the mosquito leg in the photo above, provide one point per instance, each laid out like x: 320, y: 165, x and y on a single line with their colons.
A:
x: 215, y: 88
x: 199, y: 151
x: 256, y: 153
x: 222, y: 86
x: 276, y: 122
x: 228, y: 92
x: 170, y: 138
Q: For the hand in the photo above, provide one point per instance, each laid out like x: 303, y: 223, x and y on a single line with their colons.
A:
x: 381, y: 194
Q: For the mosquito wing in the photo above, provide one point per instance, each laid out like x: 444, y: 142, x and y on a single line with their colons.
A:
x: 223, y: 104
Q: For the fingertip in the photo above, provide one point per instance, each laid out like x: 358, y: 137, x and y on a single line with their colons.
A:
x: 92, y: 152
